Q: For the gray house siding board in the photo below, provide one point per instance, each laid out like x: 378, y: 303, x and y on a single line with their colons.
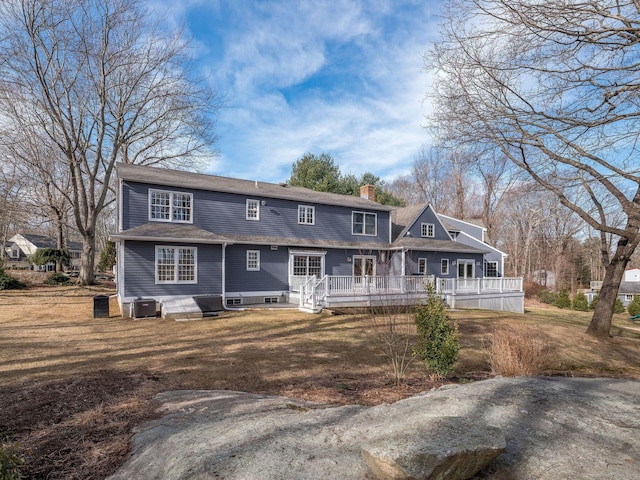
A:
x: 434, y: 261
x: 272, y: 276
x: 139, y: 271
x: 428, y: 216
x: 225, y: 213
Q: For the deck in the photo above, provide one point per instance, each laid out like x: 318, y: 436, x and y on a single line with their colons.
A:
x: 504, y: 294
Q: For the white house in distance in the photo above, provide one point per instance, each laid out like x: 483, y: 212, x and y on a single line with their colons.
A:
x: 629, y: 287
x: 22, y: 246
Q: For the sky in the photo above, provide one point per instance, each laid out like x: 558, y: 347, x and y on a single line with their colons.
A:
x: 341, y: 77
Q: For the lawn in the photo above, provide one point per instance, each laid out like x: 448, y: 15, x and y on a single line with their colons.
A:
x: 72, y: 387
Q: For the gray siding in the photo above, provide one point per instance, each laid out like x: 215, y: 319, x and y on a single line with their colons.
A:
x: 434, y: 263
x: 428, y: 216
x: 225, y: 213
x: 139, y: 271
x: 273, y: 274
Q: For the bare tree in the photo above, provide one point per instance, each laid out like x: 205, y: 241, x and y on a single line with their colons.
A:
x: 554, y: 86
x: 104, y: 84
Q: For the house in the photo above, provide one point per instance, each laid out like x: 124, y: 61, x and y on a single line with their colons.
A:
x: 22, y: 246
x: 629, y: 287
x: 182, y: 235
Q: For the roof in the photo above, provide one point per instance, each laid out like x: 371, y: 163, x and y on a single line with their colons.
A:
x: 42, y: 241
x: 629, y: 288
x: 432, y: 245
x: 213, y: 183
x: 402, y: 217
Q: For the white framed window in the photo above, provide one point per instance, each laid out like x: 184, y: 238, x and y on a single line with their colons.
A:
x: 628, y: 298
x: 253, y: 209
x: 364, y: 266
x: 364, y: 223
x: 422, y: 266
x: 307, y: 265
x: 306, y: 214
x: 167, y: 206
x: 491, y: 269
x: 444, y: 266
x: 428, y: 230
x: 253, y: 260
x: 176, y: 264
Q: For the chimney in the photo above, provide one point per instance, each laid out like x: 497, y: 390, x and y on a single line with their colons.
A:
x: 368, y: 192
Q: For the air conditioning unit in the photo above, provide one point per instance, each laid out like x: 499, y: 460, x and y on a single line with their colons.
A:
x: 143, y: 307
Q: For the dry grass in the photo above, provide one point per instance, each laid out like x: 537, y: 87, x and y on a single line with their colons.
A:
x: 517, y: 350
x: 72, y: 387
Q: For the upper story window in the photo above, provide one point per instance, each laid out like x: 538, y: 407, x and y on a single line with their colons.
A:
x: 166, y: 206
x: 306, y: 214
x: 364, y: 223
x: 176, y: 264
x: 253, y: 209
x: 428, y: 230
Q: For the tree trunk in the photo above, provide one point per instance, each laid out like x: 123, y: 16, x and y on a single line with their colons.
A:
x: 59, y: 239
x: 88, y: 259
x: 600, y: 325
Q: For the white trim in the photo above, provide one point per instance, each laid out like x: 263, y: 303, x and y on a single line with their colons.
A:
x: 223, y: 279
x: 176, y: 265
x: 364, y: 223
x: 448, y: 266
x: 261, y: 293
x: 313, y: 214
x: 246, y: 209
x: 427, y: 226
x: 139, y: 238
x: 486, y: 264
x: 306, y: 253
x: 171, y: 194
x: 466, y: 261
x: 257, y: 260
x: 364, y: 258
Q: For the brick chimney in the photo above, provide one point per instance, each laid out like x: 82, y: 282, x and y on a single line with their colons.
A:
x: 369, y: 192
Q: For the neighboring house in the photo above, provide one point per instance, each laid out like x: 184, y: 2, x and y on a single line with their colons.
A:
x: 183, y: 234
x: 629, y: 287
x: 23, y: 246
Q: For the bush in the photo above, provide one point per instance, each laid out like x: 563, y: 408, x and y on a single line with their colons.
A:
x: 634, y: 306
x: 10, y: 463
x: 546, y: 296
x: 438, y: 343
x: 618, y: 307
x: 516, y: 350
x: 532, y: 289
x: 7, y: 282
x: 594, y: 302
x: 57, y: 279
x: 580, y: 302
x: 563, y: 300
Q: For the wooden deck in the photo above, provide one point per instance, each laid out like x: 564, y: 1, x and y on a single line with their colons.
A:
x: 504, y: 294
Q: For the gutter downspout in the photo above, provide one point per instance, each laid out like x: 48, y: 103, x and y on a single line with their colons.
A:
x: 224, y: 277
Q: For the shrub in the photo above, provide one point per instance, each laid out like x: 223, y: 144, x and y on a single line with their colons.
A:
x: 618, y: 307
x: 393, y: 332
x: 10, y: 463
x: 634, y: 306
x: 580, y: 302
x: 57, y: 279
x: 7, y: 282
x: 594, y: 302
x: 107, y: 257
x: 532, y: 289
x: 563, y: 300
x: 546, y: 296
x: 438, y: 343
x: 516, y: 350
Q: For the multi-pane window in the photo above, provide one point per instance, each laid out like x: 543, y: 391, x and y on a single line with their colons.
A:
x: 307, y: 265
x: 364, y: 223
x: 428, y: 230
x: 306, y: 214
x: 491, y: 269
x: 168, y: 206
x: 444, y: 266
x: 253, y: 260
x: 253, y: 209
x: 422, y: 266
x: 176, y: 264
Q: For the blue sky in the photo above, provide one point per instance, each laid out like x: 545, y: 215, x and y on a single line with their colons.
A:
x: 342, y: 77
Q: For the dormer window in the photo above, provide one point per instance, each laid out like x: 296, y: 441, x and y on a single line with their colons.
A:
x: 167, y: 206
x: 428, y: 230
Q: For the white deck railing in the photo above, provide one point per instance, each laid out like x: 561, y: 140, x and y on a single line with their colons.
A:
x: 313, y: 291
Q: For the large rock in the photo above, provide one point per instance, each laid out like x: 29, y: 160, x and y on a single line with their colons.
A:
x: 452, y: 448
x: 554, y: 428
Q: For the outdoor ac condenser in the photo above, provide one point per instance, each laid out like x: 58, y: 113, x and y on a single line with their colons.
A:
x: 144, y: 307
